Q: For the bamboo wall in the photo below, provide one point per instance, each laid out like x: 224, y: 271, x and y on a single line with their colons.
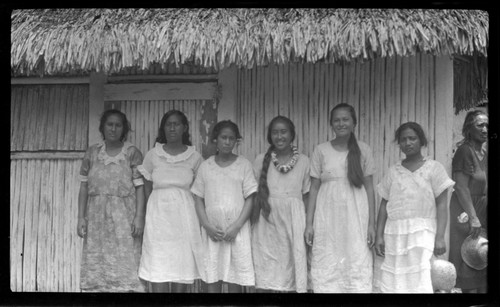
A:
x: 145, y: 118
x: 46, y: 121
x: 49, y: 117
x: 384, y: 93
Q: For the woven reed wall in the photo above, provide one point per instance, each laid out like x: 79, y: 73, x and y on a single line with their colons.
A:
x: 49, y: 117
x: 384, y: 93
x: 145, y: 118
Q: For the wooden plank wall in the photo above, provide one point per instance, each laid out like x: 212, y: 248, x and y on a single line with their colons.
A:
x: 45, y: 250
x: 384, y: 93
x: 145, y: 118
x: 49, y: 117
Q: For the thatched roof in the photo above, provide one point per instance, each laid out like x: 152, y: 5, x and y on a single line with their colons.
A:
x: 109, y: 40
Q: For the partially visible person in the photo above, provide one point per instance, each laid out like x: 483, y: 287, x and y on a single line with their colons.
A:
x: 279, y: 216
x: 111, y: 210
x: 412, y: 216
x: 223, y: 190
x: 340, y: 220
x: 172, y: 247
x: 468, y: 207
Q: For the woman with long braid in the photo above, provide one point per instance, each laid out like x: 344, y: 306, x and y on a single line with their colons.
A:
x: 278, y: 248
x: 340, y: 223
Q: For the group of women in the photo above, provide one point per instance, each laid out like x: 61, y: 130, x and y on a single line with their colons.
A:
x: 283, y: 223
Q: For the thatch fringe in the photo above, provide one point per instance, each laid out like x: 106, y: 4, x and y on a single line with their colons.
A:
x: 109, y: 40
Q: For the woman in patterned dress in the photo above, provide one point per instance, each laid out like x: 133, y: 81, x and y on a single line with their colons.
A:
x: 111, y: 210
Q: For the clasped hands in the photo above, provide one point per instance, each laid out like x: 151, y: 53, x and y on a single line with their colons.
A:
x: 217, y: 234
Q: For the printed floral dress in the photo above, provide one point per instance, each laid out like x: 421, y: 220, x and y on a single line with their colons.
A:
x: 111, y: 255
x: 410, y: 229
x: 225, y: 190
x: 278, y: 246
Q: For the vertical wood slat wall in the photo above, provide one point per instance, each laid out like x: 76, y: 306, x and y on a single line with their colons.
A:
x: 45, y: 250
x: 145, y: 118
x: 384, y: 92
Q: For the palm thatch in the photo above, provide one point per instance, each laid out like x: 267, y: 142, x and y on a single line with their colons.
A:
x: 109, y: 40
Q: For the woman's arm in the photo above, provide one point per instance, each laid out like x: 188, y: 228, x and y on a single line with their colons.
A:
x: 368, y: 184
x: 215, y: 233
x: 311, y: 209
x: 465, y: 201
x: 442, y: 220
x: 381, y: 220
x: 82, y: 210
x: 140, y: 212
x: 234, y: 228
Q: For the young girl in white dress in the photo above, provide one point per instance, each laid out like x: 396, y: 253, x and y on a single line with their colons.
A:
x: 412, y: 216
x: 279, y: 216
x: 223, y: 190
x: 340, y: 223
x: 172, y: 247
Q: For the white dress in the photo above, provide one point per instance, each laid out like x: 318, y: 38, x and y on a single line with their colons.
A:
x: 172, y: 247
x: 341, y: 261
x: 278, y: 246
x: 224, y: 190
x: 410, y: 229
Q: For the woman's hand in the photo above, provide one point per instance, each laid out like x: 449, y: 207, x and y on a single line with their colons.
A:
x: 81, y: 227
x: 214, y: 233
x: 475, y: 227
x: 370, y: 238
x: 231, y: 232
x: 380, y: 246
x: 137, y: 226
x: 309, y: 235
x: 439, y: 246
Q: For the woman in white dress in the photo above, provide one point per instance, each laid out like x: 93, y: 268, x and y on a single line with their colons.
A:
x: 223, y: 190
x: 172, y: 247
x: 340, y: 224
x: 279, y: 216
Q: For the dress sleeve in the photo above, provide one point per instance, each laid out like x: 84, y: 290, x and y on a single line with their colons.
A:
x: 146, y: 168
x: 257, y: 166
x: 463, y: 161
x: 249, y: 182
x: 384, y: 186
x: 367, y: 163
x: 86, y: 164
x: 306, y: 180
x: 316, y: 159
x: 135, y: 161
x: 440, y: 180
x: 197, y: 163
x: 198, y: 187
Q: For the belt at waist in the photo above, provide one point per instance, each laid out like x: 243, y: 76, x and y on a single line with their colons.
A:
x: 328, y: 179
x: 286, y: 195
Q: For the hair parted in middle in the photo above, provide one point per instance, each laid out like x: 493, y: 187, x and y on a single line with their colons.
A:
x: 225, y: 124
x: 262, y: 196
x: 354, y: 170
x: 126, y: 124
x: 161, y: 130
x: 413, y: 126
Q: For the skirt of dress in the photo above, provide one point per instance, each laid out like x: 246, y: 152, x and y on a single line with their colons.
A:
x: 172, y: 247
x: 110, y: 258
x: 278, y: 247
x: 467, y: 277
x: 341, y: 261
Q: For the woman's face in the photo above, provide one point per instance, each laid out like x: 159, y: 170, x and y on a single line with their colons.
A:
x: 174, y: 129
x: 409, y: 142
x: 113, y: 128
x: 342, y: 122
x: 281, y: 135
x: 226, y: 140
x: 479, y: 130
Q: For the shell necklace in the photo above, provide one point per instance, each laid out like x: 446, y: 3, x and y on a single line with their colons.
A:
x: 285, y: 168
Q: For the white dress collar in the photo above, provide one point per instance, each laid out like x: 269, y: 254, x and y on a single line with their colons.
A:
x: 107, y: 159
x: 173, y: 159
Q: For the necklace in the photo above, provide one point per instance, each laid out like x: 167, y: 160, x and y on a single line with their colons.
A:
x: 285, y: 168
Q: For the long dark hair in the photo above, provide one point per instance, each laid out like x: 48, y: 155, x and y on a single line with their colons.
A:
x: 262, y: 196
x: 354, y: 170
x: 126, y: 124
x: 161, y: 131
